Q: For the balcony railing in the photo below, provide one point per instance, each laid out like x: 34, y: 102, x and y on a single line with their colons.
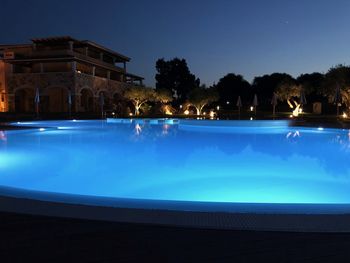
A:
x: 65, y: 53
x: 96, y: 81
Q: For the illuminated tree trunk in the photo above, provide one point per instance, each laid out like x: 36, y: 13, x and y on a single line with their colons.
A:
x: 198, y: 111
x: 199, y: 108
x: 137, y: 110
x: 138, y: 105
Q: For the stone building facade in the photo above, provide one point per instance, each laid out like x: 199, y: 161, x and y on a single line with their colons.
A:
x: 68, y: 74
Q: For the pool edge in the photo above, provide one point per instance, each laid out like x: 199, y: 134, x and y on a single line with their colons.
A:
x: 336, y: 223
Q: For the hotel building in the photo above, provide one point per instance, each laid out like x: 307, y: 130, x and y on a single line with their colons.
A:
x: 68, y: 74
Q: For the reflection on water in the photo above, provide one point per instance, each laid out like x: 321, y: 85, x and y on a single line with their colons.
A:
x: 293, y: 134
x: 3, y: 136
x: 159, y: 160
x: 165, y: 130
x: 343, y: 140
x: 138, y: 129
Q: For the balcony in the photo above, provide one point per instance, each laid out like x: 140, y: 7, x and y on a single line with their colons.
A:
x: 100, y: 84
x: 66, y: 53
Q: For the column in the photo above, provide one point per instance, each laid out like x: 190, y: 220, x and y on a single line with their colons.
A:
x: 76, y: 98
x: 74, y: 66
x: 108, y: 74
x: 101, y: 56
x: 11, y: 102
x: 93, y: 71
x: 86, y: 51
x: 41, y: 68
x: 70, y: 43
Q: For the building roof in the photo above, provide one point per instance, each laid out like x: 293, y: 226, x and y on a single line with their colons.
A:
x: 62, y: 39
x: 53, y: 39
x: 93, y: 44
x: 6, y: 46
x: 133, y: 76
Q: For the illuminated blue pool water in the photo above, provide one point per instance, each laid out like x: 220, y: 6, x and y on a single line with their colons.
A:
x: 209, y: 161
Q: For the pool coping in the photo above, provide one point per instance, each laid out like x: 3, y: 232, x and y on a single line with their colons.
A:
x: 240, y: 217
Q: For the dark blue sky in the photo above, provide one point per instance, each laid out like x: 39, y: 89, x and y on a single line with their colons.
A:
x: 249, y: 37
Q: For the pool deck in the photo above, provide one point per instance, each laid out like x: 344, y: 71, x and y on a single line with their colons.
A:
x: 29, y: 238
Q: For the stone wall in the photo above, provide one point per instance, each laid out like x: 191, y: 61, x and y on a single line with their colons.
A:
x: 74, y: 82
x: 42, y: 81
x: 98, y: 84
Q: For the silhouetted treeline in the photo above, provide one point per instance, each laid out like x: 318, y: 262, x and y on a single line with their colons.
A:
x: 175, y: 76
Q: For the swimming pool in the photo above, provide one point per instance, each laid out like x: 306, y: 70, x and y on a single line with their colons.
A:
x: 192, y: 165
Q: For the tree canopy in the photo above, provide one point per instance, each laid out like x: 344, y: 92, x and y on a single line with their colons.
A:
x: 264, y: 86
x: 164, y: 96
x: 288, y: 90
x: 139, y: 95
x: 338, y: 76
x: 312, y: 84
x: 230, y: 87
x: 175, y: 76
x: 201, y: 96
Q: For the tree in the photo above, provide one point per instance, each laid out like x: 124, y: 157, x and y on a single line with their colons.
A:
x: 338, y: 76
x: 288, y: 90
x: 175, y: 76
x: 312, y: 85
x: 164, y: 97
x: 202, y: 96
x: 264, y: 86
x: 230, y: 87
x: 139, y: 95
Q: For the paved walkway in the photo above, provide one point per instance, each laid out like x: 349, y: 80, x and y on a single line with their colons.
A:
x: 27, y: 238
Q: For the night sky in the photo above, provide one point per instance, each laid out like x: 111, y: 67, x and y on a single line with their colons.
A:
x: 249, y: 37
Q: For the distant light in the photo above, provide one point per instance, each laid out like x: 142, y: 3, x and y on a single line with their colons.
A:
x: 251, y: 118
x: 300, y: 110
x: 211, y: 114
x: 251, y: 108
x: 113, y: 113
x: 130, y: 114
x: 18, y: 122
x: 74, y: 120
x: 227, y: 102
x: 41, y: 129
x: 218, y: 107
x: 186, y: 112
x: 204, y: 113
x: 78, y: 71
x: 320, y: 128
x: 291, y: 116
x: 180, y: 106
x: 344, y: 115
